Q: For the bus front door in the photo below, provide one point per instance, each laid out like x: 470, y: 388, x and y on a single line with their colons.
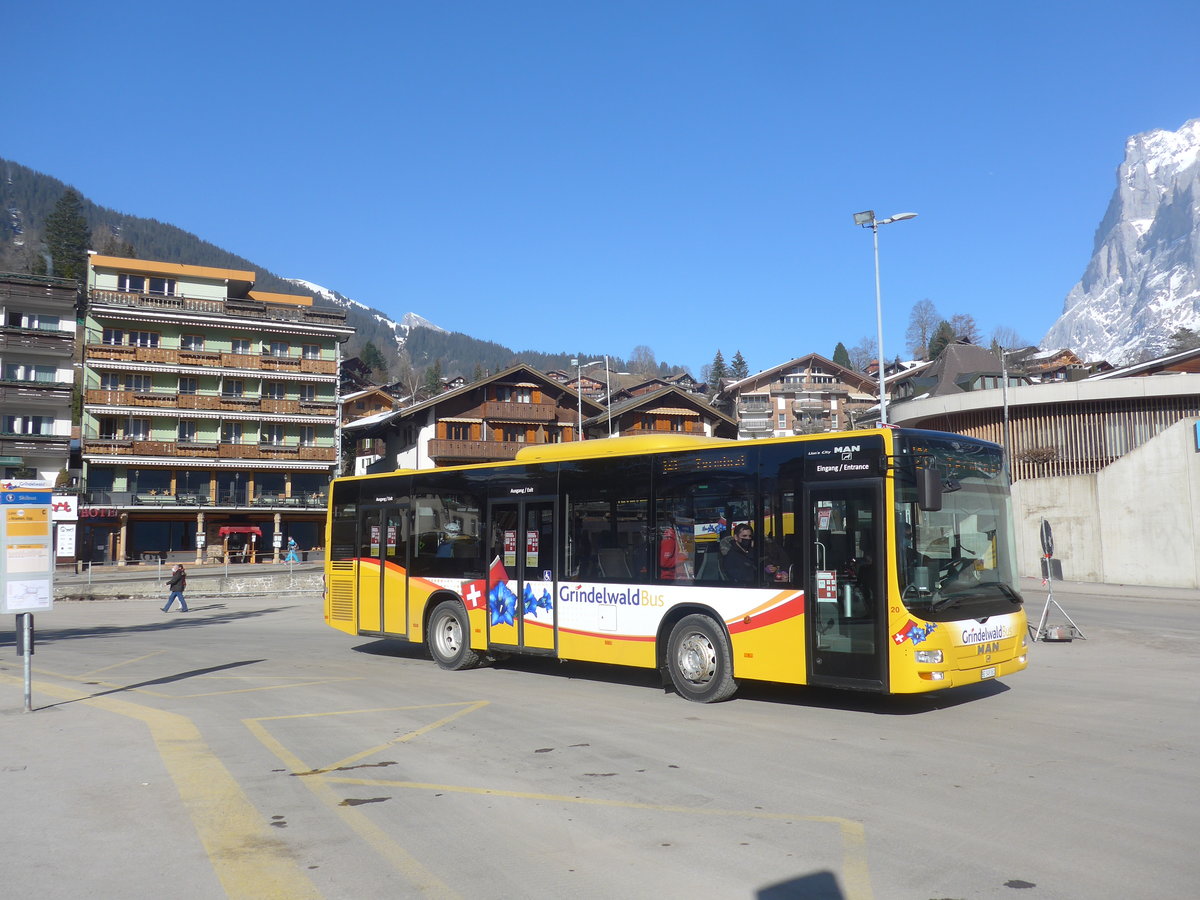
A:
x: 522, y: 609
x: 846, y: 598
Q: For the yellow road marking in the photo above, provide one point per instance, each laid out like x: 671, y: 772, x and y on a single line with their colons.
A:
x: 855, y: 871
x: 401, y: 860
x: 249, y: 861
x: 118, y: 665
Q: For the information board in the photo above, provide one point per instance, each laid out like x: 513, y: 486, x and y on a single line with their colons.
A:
x: 26, y: 551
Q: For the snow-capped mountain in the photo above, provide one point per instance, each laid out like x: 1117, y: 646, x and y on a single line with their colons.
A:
x: 400, y: 330
x: 1143, y: 281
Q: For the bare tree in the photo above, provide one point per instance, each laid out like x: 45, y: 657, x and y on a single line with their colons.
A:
x: 921, y: 322
x: 863, y: 354
x: 408, y: 379
x: 643, y: 362
x: 1006, y: 338
x: 965, y: 328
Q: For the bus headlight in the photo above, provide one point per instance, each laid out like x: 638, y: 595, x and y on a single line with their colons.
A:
x: 929, y: 656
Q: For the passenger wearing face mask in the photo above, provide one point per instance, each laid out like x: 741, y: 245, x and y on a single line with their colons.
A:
x: 737, y: 560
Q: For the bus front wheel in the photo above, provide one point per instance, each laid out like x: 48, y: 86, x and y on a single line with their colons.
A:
x: 450, y: 637
x: 699, y: 660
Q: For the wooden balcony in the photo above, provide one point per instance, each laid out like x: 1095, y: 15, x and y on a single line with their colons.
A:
x: 506, y: 411
x: 270, y: 405
x: 189, y: 450
x: 474, y: 451
x: 36, y: 341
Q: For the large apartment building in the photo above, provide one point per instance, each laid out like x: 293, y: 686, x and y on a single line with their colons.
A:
x: 37, y: 345
x: 805, y: 395
x: 210, y: 413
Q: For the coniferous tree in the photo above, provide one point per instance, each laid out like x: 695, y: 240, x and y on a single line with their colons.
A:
x: 718, y: 371
x: 373, y: 360
x: 841, y: 356
x: 67, y: 237
x: 433, y: 379
x: 478, y: 376
x: 739, y: 370
x: 942, y: 336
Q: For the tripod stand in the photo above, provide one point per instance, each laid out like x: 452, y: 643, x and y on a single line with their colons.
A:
x: 1056, y: 633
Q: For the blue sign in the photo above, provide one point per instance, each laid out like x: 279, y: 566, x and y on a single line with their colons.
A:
x: 25, y: 498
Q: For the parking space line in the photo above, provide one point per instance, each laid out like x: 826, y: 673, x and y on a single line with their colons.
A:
x: 249, y: 861
x: 419, y: 877
x: 855, y: 872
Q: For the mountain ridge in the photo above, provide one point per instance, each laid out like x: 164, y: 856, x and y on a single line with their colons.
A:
x: 1142, y: 283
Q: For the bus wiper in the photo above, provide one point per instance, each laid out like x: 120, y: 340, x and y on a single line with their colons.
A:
x: 957, y: 599
x: 1009, y: 594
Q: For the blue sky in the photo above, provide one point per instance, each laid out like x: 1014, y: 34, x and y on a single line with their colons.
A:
x: 591, y: 176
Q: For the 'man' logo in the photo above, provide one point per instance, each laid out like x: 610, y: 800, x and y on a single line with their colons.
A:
x: 848, y: 448
x: 988, y: 648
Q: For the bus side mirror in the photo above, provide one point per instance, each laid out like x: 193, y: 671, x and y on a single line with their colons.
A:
x: 929, y: 490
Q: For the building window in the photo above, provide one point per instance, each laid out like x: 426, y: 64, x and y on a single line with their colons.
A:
x: 458, y: 431
x: 142, y: 338
x: 28, y: 425
x: 781, y: 424
x: 187, y: 430
x: 139, y: 429
x: 32, y: 321
x: 110, y: 381
x: 274, y: 390
x: 109, y: 428
x: 513, y: 434
x: 192, y: 342
x: 277, y: 348
x: 188, y: 385
x: 312, y: 351
x: 233, y: 387
x: 133, y: 284
x: 162, y: 286
x: 271, y: 434
x: 308, y: 436
x: 308, y: 392
x: 240, y: 345
x: 509, y: 394
x: 30, y: 372
x: 138, y: 383
x: 231, y: 432
x: 113, y: 336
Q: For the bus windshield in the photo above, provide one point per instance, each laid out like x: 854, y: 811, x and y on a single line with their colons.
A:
x: 958, y: 561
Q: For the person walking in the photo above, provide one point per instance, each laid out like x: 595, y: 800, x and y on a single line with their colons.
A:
x: 293, y: 551
x: 176, y: 586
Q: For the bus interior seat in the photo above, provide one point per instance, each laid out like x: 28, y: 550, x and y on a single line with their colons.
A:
x: 613, y: 563
x: 710, y: 568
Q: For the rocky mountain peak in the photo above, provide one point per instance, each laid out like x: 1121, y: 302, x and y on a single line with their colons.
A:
x: 1143, y: 281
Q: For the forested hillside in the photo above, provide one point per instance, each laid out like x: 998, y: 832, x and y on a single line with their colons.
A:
x: 27, y: 199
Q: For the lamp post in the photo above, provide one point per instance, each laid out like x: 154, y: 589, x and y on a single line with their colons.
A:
x: 579, y: 367
x: 867, y: 220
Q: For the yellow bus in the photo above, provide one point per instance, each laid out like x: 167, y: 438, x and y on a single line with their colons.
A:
x: 877, y: 560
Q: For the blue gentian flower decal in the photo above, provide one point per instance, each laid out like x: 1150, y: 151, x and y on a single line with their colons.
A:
x: 502, y: 604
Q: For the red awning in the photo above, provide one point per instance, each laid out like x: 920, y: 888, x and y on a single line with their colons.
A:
x: 239, y: 529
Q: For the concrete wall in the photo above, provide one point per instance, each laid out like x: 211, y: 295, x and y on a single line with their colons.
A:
x: 1070, y: 505
x: 1135, y: 522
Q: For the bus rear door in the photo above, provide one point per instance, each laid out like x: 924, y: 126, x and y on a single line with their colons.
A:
x: 522, y: 611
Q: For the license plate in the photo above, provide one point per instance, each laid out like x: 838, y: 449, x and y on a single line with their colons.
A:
x: 989, y: 672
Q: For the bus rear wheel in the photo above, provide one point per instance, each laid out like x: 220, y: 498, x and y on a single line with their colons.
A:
x: 699, y: 660
x: 449, y: 637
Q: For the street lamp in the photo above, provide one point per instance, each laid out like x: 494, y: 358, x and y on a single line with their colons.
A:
x: 867, y: 220
x: 579, y: 367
